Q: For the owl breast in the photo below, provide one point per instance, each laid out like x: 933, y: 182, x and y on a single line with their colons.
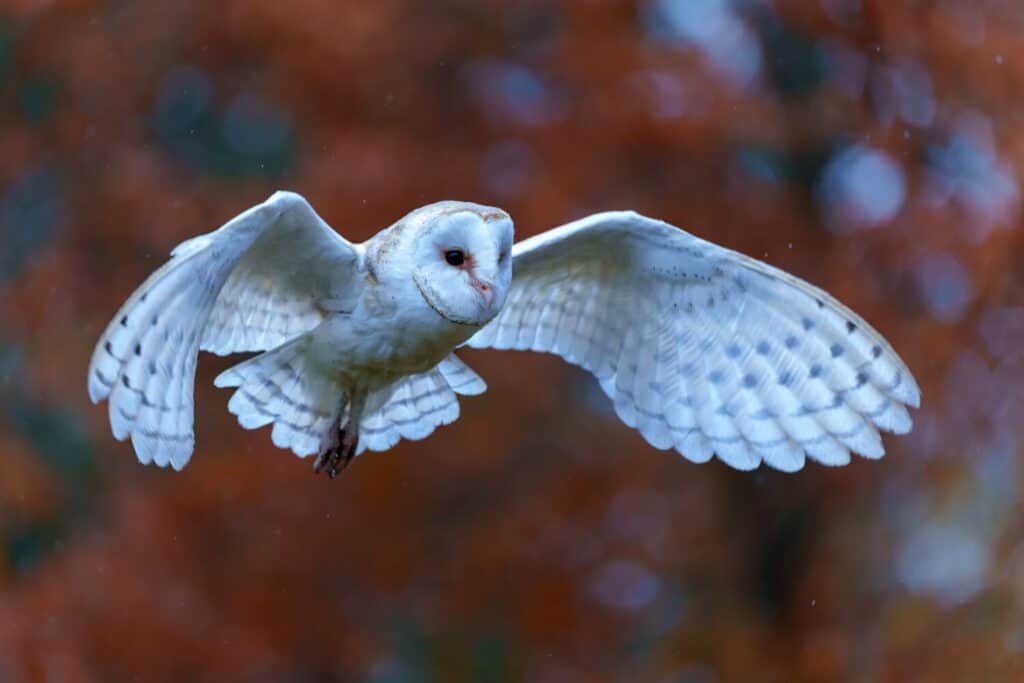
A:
x: 390, y: 333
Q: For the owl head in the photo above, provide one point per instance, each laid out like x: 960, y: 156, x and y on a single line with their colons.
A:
x: 462, y: 263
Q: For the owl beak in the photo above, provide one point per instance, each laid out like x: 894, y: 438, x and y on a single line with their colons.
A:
x: 486, y: 292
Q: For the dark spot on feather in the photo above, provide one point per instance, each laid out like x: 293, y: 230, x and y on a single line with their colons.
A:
x: 862, y: 379
x: 138, y: 349
x: 152, y: 368
x: 815, y: 370
x: 733, y: 351
x: 792, y: 342
x: 876, y: 351
x: 786, y: 378
x: 749, y: 381
x: 716, y: 377
x: 155, y: 320
x: 821, y: 304
x: 124, y: 321
x: 108, y: 348
x: 836, y: 350
x: 807, y: 323
x: 851, y: 327
x: 371, y: 270
x: 764, y: 348
x: 125, y: 382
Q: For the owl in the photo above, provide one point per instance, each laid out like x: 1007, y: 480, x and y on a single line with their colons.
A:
x: 701, y: 349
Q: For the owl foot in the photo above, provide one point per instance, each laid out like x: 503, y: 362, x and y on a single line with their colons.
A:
x: 341, y: 442
x: 337, y: 457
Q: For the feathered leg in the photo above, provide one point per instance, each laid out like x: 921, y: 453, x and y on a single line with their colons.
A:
x: 344, y: 438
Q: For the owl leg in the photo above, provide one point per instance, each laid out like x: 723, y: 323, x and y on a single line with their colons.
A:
x: 331, y: 441
x: 344, y: 439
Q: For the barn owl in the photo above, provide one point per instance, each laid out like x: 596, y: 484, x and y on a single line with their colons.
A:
x: 701, y: 349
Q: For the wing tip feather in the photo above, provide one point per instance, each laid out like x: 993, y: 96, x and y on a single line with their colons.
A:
x: 229, y: 378
x: 97, y: 391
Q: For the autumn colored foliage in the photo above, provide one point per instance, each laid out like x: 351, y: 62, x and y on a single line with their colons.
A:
x: 873, y: 147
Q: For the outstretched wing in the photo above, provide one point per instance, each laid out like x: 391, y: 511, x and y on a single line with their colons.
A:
x: 261, y: 279
x: 703, y: 349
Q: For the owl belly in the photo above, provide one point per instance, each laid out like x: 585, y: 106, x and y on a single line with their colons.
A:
x: 373, y: 351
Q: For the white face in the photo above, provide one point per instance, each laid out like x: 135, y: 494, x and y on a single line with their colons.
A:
x: 463, y: 260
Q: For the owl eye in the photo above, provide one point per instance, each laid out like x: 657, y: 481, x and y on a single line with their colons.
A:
x: 455, y: 257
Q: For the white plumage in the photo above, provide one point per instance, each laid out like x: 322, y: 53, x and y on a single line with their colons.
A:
x: 703, y: 349
x: 700, y: 349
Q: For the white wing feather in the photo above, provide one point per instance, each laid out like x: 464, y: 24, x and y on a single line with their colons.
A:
x: 251, y: 285
x: 414, y: 406
x: 702, y: 349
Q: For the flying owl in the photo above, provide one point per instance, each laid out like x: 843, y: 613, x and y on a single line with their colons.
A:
x: 701, y: 349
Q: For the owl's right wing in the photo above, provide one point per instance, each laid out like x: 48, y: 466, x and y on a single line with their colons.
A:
x: 702, y: 349
x: 264, y: 277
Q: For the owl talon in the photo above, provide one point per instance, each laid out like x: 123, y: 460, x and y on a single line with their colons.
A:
x: 322, y: 459
x: 335, y: 459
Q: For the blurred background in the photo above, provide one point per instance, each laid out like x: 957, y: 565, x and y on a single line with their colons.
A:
x: 873, y: 147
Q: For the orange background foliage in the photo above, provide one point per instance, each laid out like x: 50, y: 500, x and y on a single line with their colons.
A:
x: 870, y: 146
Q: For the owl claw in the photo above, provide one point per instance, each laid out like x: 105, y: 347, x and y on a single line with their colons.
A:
x: 336, y: 458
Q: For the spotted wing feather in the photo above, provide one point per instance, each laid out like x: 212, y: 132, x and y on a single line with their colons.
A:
x: 702, y: 349
x: 251, y: 285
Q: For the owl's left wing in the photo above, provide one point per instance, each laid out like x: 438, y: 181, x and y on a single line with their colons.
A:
x: 703, y: 349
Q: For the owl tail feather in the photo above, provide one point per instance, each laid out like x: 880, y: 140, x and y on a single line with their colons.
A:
x: 282, y: 387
